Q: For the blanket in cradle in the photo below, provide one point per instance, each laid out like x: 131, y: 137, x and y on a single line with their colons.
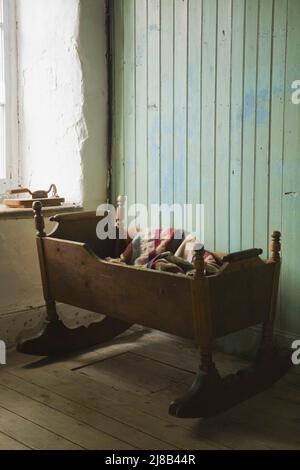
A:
x: 168, y: 250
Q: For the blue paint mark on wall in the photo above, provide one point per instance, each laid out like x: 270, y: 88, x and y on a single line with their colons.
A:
x: 262, y: 99
x: 249, y: 105
x: 258, y: 103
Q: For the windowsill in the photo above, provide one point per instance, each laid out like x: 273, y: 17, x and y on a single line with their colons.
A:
x: 9, y: 213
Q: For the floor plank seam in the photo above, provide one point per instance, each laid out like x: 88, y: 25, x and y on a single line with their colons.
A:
x: 145, y: 356
x: 62, y: 413
x: 75, y: 369
x: 42, y: 427
x: 15, y: 439
x: 91, y: 409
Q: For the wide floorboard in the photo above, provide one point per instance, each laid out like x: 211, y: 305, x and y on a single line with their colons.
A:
x: 117, y: 396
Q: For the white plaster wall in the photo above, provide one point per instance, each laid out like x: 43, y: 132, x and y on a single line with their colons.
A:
x: 63, y: 97
x: 92, y: 49
x: 20, y: 286
x: 62, y: 114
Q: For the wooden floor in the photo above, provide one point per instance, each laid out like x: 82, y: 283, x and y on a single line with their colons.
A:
x: 117, y: 396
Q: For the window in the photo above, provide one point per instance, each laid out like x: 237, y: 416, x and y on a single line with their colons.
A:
x: 8, y: 95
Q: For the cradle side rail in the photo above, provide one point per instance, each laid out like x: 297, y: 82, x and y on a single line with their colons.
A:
x: 150, y: 298
x: 237, y: 297
x: 81, y: 227
x: 241, y: 255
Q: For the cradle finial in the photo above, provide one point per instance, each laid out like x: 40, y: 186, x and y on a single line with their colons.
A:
x: 275, y: 247
x: 121, y: 216
x: 199, y: 261
x: 39, y: 219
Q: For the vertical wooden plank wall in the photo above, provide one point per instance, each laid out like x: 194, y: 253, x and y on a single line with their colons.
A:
x: 208, y: 115
x: 153, y: 101
x: 194, y: 73
x: 180, y: 101
x: 129, y: 110
x: 118, y: 103
x: 223, y: 95
x: 141, y: 101
x: 167, y: 102
x: 290, y: 298
x: 203, y: 113
x: 249, y: 121
x: 236, y: 123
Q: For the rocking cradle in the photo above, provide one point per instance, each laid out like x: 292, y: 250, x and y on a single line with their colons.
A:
x: 242, y: 294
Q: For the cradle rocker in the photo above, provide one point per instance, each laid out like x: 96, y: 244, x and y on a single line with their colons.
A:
x: 242, y: 294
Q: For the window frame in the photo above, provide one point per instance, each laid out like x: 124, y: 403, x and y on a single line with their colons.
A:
x: 11, y: 97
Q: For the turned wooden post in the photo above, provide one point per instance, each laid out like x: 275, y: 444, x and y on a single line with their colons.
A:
x: 121, y: 231
x: 121, y: 215
x: 206, y: 360
x: 207, y: 364
x: 275, y: 247
x: 268, y: 327
x: 198, y: 261
x: 39, y: 219
x: 40, y: 233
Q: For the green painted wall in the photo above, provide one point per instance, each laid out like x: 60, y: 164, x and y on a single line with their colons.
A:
x: 203, y: 113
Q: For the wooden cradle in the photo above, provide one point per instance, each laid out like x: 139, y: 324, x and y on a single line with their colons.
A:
x: 243, y: 293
